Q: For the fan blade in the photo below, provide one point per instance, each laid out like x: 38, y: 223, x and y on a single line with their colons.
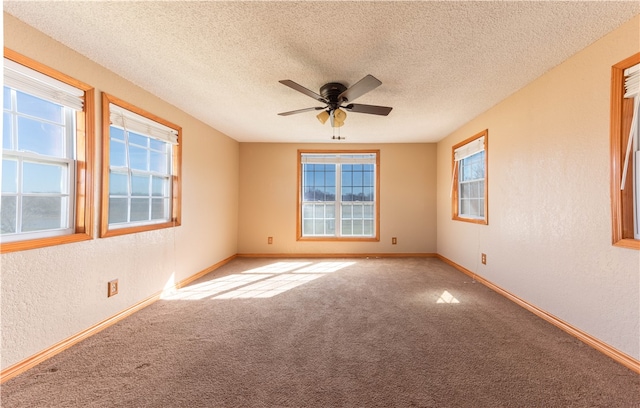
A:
x: 300, y: 111
x: 303, y: 90
x: 372, y: 109
x: 360, y: 88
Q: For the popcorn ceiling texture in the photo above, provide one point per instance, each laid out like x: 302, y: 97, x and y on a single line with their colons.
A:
x: 440, y: 63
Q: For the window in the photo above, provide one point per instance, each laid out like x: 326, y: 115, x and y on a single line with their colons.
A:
x: 338, y: 195
x: 469, y: 181
x: 141, y: 170
x: 47, y: 145
x: 625, y: 152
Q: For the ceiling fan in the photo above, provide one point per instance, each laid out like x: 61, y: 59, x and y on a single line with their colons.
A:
x: 336, y: 97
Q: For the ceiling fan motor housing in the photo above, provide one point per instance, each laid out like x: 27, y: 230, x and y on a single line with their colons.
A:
x: 331, y: 91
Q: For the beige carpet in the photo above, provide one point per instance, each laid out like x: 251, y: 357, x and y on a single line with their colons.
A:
x: 408, y: 332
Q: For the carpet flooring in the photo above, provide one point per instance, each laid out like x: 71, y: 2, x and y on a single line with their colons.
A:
x: 379, y: 332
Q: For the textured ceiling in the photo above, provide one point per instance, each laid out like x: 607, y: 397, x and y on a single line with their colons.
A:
x: 441, y: 63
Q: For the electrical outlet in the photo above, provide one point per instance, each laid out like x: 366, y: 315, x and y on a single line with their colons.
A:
x: 269, y: 240
x: 112, y: 288
x: 394, y: 241
x: 483, y: 259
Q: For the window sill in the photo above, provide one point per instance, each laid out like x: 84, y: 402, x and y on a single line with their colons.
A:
x: 43, y: 242
x: 141, y: 228
x: 480, y: 221
x: 339, y: 239
x: 628, y: 243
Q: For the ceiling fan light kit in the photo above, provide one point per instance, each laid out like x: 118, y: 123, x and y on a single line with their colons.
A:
x: 335, y: 95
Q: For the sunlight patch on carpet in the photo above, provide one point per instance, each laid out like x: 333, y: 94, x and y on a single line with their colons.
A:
x: 447, y: 297
x: 263, y: 282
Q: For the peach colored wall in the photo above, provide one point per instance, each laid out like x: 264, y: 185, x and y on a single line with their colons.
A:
x: 52, y: 293
x: 268, y: 199
x: 549, y: 235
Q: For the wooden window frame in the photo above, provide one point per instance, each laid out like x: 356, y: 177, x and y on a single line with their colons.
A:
x: 621, y: 117
x: 299, y: 236
x: 176, y: 182
x: 454, y: 183
x: 85, y: 137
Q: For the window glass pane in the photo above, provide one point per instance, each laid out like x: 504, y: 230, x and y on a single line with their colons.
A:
x: 34, y: 106
x: 346, y: 211
x: 116, y: 133
x: 138, y: 159
x: 464, y: 207
x: 43, y: 178
x: 357, y: 227
x: 139, y: 140
x: 9, y: 176
x: 39, y: 137
x: 368, y: 211
x: 464, y: 190
x: 319, y: 227
x: 319, y: 211
x: 330, y: 211
x: 158, y: 162
x: 117, y: 153
x: 367, y: 194
x: 118, y: 184
x: 330, y: 178
x: 307, y: 227
x: 139, y: 209
x: 42, y: 213
x: 8, y: 215
x: 347, y: 193
x: 357, y: 211
x: 367, y: 226
x: 358, y: 194
x: 140, y: 185
x: 319, y: 179
x: 156, y: 144
x: 330, y: 194
x: 307, y: 211
x: 6, y: 98
x: 118, y: 210
x: 330, y: 227
x: 158, y: 186
x: 357, y: 178
x: 6, y: 131
x: 346, y: 227
x: 159, y: 208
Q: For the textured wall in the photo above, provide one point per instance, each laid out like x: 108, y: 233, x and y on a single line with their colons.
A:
x: 268, y: 199
x: 549, y: 235
x: 52, y: 293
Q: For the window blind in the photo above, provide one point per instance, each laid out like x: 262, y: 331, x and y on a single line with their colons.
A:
x: 344, y: 159
x: 469, y: 149
x: 632, y: 81
x: 34, y: 83
x: 133, y: 122
x: 632, y: 90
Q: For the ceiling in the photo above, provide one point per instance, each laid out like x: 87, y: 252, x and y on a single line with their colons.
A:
x: 441, y: 63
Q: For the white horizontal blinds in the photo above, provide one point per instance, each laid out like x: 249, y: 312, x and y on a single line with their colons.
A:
x: 34, y: 83
x: 632, y: 81
x: 631, y: 90
x: 469, y: 149
x: 133, y: 122
x: 339, y: 158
